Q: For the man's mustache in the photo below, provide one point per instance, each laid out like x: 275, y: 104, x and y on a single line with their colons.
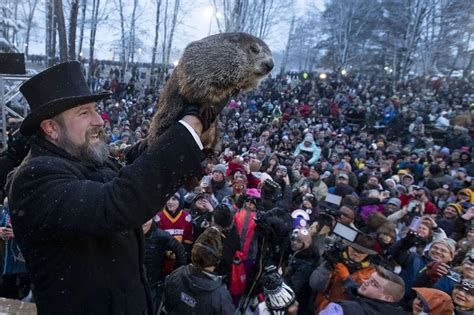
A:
x: 99, y: 131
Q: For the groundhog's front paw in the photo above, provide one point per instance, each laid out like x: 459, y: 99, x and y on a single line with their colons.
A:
x: 209, y: 137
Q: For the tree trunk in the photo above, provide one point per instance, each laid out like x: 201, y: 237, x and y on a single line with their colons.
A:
x: 50, y: 41
x: 155, y: 41
x: 95, y: 13
x: 61, y: 27
x: 83, y: 22
x: 171, y: 35
x: 262, y: 18
x: 122, y: 29
x: 29, y: 21
x: 164, y: 65
x: 284, y: 62
x: 15, y: 16
x: 131, y: 36
x: 72, y: 29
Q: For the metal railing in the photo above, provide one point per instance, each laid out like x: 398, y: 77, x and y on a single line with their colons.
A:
x: 6, y: 97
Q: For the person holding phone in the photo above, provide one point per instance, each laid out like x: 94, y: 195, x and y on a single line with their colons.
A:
x: 416, y: 268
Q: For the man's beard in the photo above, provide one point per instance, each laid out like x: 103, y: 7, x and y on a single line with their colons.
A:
x: 95, y: 153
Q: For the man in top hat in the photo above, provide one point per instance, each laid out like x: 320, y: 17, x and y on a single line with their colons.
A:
x: 76, y: 217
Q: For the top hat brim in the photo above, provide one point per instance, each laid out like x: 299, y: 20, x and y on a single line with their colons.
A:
x: 55, y: 107
x: 360, y: 248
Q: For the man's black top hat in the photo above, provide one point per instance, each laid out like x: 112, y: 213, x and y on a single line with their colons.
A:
x: 54, y: 91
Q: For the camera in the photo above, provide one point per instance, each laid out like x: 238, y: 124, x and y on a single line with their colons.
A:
x: 453, y: 275
x: 329, y: 210
x: 415, y: 207
x: 336, y: 242
x: 271, y: 193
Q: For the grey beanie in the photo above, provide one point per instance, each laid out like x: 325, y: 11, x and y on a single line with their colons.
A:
x: 219, y: 168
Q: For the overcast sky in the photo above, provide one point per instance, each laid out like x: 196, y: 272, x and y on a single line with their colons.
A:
x: 196, y: 23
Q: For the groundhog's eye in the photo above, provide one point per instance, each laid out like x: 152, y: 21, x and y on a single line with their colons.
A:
x: 254, y: 49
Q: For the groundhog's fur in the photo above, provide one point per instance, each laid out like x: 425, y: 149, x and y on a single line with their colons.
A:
x: 209, y: 72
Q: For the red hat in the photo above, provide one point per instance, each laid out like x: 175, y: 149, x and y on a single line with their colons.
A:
x: 105, y: 116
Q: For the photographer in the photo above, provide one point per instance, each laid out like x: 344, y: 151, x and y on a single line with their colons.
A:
x: 274, y: 196
x: 342, y: 270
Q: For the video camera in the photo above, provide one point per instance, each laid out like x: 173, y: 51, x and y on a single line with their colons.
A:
x: 271, y: 193
x: 336, y: 241
x: 329, y: 210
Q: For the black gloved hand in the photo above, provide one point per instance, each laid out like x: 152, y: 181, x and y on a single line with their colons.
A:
x: 207, y: 114
x: 18, y: 147
x: 410, y: 239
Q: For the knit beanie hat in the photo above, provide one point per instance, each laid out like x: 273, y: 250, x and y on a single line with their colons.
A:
x: 309, y: 138
x: 278, y: 295
x: 207, y: 250
x: 219, y: 168
x: 395, y: 201
x: 180, y: 196
x: 222, y: 216
x: 303, y: 236
x: 449, y: 243
x: 456, y: 206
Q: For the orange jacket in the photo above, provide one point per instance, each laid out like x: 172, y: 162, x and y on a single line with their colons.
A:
x: 335, y: 288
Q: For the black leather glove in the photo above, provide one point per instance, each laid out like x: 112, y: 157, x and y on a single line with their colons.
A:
x: 207, y: 114
x: 18, y: 147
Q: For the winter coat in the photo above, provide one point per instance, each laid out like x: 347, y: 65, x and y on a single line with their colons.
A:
x: 313, y: 151
x: 201, y: 221
x: 192, y: 292
x: 331, y: 286
x: 157, y: 242
x: 230, y: 244
x: 320, y: 189
x: 79, y: 225
x: 247, y: 240
x: 13, y: 260
x: 221, y: 190
x: 299, y: 269
x: 410, y: 262
x: 363, y: 306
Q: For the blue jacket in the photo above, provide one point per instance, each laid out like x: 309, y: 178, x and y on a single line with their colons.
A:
x: 313, y: 150
x: 13, y: 261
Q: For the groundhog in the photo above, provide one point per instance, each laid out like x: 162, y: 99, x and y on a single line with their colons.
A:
x: 210, y: 71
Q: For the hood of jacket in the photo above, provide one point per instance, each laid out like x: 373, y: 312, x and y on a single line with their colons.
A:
x: 198, y: 281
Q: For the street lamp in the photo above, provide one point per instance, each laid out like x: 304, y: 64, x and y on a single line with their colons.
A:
x: 323, y: 76
x: 343, y: 71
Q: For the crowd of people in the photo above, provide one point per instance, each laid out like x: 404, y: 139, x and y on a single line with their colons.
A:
x: 297, y: 158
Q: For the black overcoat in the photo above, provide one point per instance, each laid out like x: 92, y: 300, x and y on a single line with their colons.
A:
x: 79, y: 226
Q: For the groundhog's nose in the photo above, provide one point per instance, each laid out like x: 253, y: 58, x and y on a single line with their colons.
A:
x: 267, y: 65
